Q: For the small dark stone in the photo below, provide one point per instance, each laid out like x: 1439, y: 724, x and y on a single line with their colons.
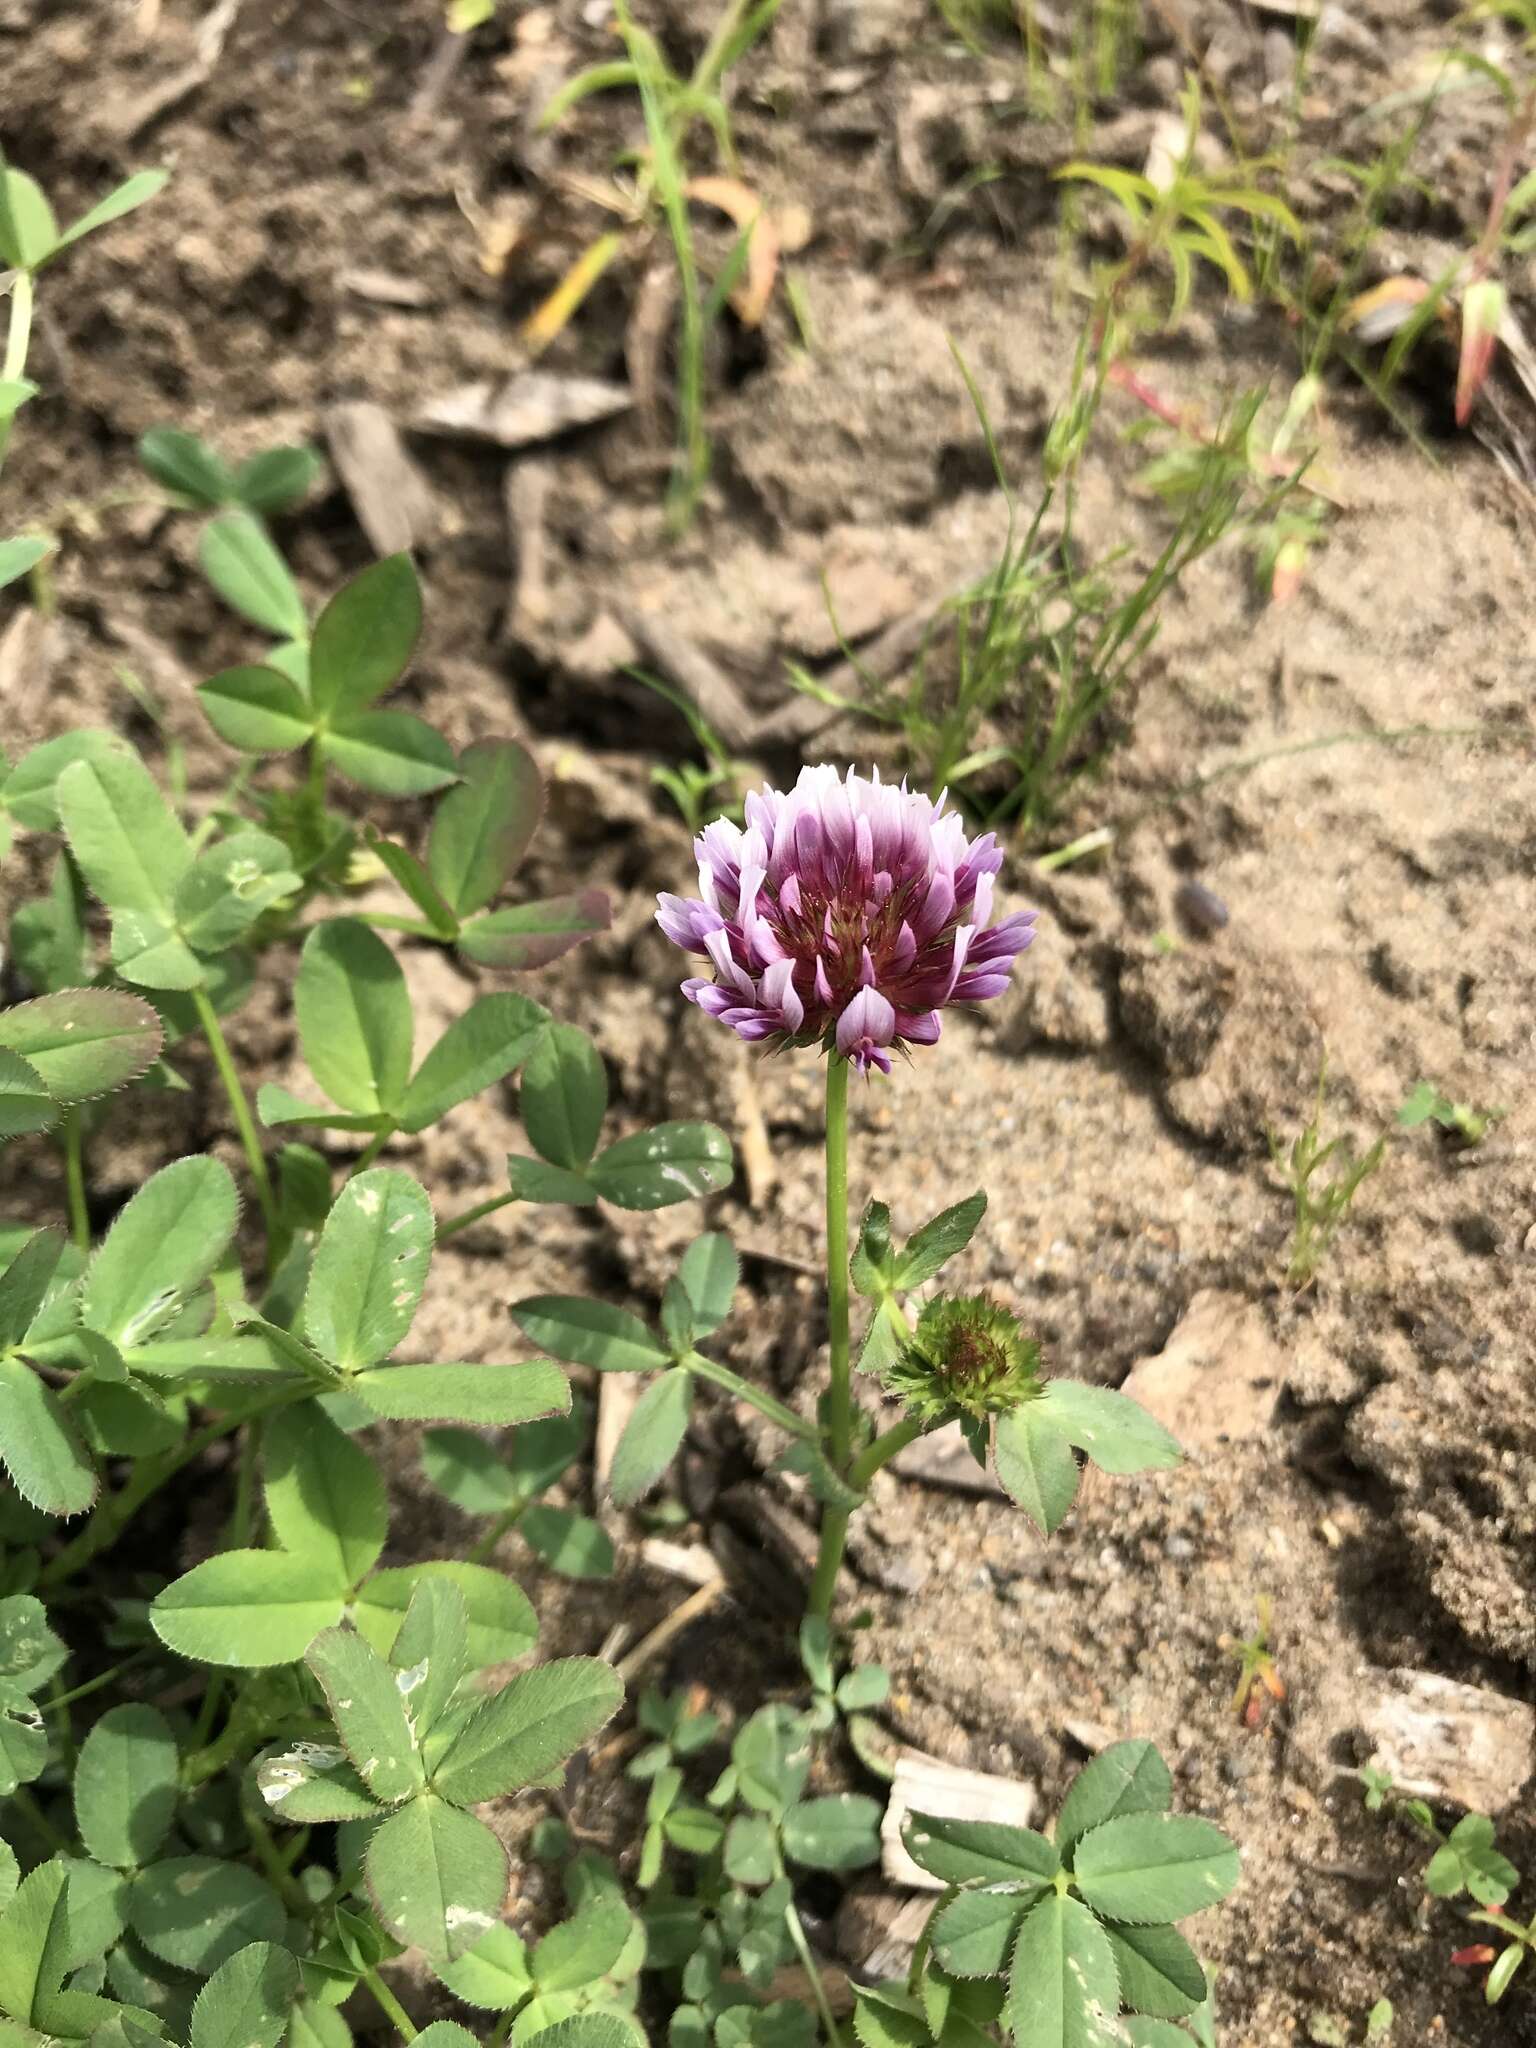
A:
x: 1201, y: 909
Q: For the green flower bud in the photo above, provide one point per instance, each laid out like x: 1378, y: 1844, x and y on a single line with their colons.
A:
x: 967, y: 1356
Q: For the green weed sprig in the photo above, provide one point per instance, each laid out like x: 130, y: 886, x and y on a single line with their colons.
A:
x: 1320, y: 1205
x: 1466, y: 1862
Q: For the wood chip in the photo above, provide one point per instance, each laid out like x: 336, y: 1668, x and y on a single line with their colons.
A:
x: 132, y: 117
x: 515, y: 412
x: 683, y: 662
x: 690, y: 1562
x: 525, y: 493
x: 618, y: 1395
x: 651, y: 320
x: 924, y: 1785
x: 386, y: 288
x: 394, y: 503
x: 757, y: 1155
x: 801, y: 718
x: 30, y: 650
x: 877, y: 1932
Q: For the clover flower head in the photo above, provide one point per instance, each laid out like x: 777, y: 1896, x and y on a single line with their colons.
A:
x: 848, y: 913
x: 969, y: 1357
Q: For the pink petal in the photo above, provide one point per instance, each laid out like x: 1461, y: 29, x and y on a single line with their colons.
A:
x: 869, y: 1021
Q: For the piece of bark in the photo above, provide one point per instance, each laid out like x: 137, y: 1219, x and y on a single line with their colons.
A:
x: 714, y: 696
x: 394, y: 503
x: 525, y: 493
x: 877, y: 1932
x: 923, y: 1785
x: 519, y: 411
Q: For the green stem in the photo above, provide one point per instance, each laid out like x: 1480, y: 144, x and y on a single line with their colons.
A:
x: 882, y: 1450
x: 18, y: 338
x: 839, y: 1434
x: 765, y: 1404
x: 829, y: 1559
x: 64, y: 1734
x: 114, y: 1513
x: 245, y: 1487
x: 393, y: 921
x: 74, y: 1178
x: 389, y: 2005
x: 241, y: 1110
x: 372, y: 1149
x: 204, y: 1764
x: 104, y: 1678
x: 272, y: 1862
x: 808, y: 1963
x: 207, y: 1712
x: 473, y: 1215
x: 507, y: 1519
x: 840, y: 1396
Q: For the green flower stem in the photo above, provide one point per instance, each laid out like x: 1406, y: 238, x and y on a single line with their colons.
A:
x: 883, y: 1449
x: 241, y: 1109
x: 18, y: 339
x: 839, y: 1433
x: 74, y: 1179
x: 389, y: 2005
x: 765, y: 1404
x: 840, y: 1396
x: 113, y: 1514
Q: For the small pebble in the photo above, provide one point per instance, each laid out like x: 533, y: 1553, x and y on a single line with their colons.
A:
x: 1201, y: 909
